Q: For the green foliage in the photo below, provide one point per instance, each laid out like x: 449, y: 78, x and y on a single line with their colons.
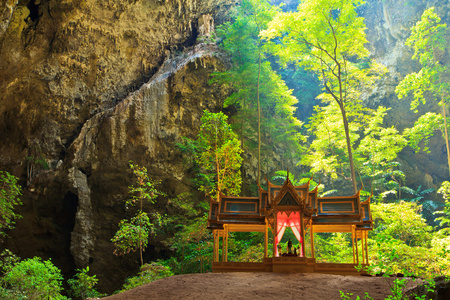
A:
x: 143, y: 189
x: 83, y: 285
x: 333, y: 247
x: 429, y: 44
x: 10, y: 191
x: 132, y: 235
x: 148, y: 273
x: 327, y: 37
x: 380, y: 145
x: 445, y: 218
x: 219, y: 156
x: 193, y: 246
x: 245, y: 246
x: 327, y: 152
x: 402, y: 221
x: 397, y: 289
x: 377, y: 146
x: 265, y: 117
x: 7, y: 261
x: 423, y: 130
x: 348, y: 296
x: 32, y: 279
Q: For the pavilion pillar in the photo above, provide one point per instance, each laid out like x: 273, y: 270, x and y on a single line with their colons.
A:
x: 353, y: 243
x: 357, y: 250
x: 367, y: 252
x: 225, y: 244
x: 362, y: 247
x: 266, y: 237
x: 302, y: 228
x: 275, y: 229
x: 312, y: 238
x: 216, y: 246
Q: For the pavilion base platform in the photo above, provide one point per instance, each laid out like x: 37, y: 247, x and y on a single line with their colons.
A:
x: 288, y: 265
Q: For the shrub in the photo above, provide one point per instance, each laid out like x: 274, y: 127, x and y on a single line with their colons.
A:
x: 32, y: 279
x: 82, y: 285
x: 148, y: 273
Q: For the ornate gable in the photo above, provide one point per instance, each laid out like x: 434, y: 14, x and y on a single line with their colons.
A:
x: 288, y: 196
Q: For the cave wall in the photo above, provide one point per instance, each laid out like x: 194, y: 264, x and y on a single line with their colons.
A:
x: 87, y: 86
x: 388, y: 26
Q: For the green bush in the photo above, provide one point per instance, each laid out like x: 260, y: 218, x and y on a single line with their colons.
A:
x: 82, y: 285
x: 148, y: 273
x: 32, y: 279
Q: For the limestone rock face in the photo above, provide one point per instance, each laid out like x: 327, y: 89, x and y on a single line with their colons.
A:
x: 389, y: 24
x: 86, y: 86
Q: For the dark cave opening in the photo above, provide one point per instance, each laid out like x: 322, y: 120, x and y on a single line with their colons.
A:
x: 190, y: 41
x: 68, y: 211
x: 34, y: 11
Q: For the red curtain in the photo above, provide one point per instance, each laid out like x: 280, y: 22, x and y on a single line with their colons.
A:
x: 283, y: 221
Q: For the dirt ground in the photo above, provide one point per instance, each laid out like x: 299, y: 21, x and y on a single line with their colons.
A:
x: 259, y: 286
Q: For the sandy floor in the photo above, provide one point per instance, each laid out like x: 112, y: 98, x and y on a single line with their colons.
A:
x: 259, y: 286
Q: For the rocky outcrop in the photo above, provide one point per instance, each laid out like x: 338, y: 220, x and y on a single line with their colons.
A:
x: 85, y: 87
x: 8, y: 7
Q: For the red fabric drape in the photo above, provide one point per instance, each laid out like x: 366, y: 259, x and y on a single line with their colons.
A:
x: 283, y: 221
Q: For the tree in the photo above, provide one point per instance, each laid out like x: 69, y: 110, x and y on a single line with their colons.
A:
x: 134, y: 234
x: 219, y: 156
x: 429, y: 44
x: 327, y: 37
x: 257, y: 86
x: 444, y: 219
x: 378, y: 148
x: 10, y: 191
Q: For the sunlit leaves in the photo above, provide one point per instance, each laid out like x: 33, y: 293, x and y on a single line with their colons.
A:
x: 402, y: 221
x: 445, y: 213
x: 423, y: 130
x: 219, y: 156
x: 252, y: 78
x: 429, y: 44
x: 380, y: 145
x: 328, y: 38
x: 144, y: 187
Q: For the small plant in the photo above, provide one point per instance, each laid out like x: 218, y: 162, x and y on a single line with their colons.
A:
x: 134, y: 235
x: 347, y: 296
x: 148, y: 273
x: 10, y: 191
x: 32, y: 279
x: 83, y: 285
x: 7, y: 261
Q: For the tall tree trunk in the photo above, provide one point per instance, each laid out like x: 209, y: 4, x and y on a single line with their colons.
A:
x: 259, y: 120
x: 140, y: 232
x: 445, y: 133
x: 340, y: 101
x: 217, y: 166
x: 349, y: 147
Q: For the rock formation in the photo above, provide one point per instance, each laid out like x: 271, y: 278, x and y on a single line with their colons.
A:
x: 86, y: 87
